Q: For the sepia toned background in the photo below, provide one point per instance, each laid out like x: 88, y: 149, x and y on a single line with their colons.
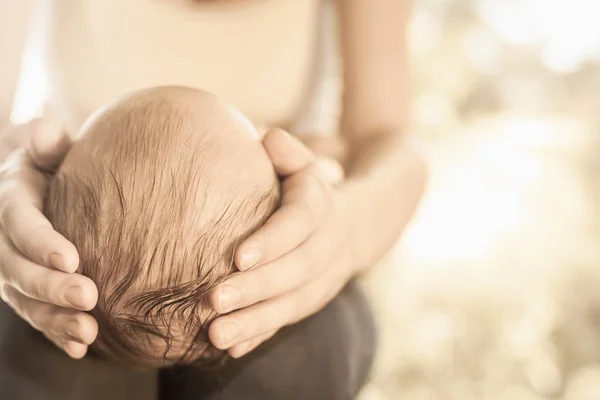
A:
x: 494, y: 290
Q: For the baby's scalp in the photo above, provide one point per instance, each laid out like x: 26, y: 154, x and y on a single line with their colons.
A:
x: 156, y: 193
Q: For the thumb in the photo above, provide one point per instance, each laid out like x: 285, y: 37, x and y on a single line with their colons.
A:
x: 49, y: 144
x: 287, y: 153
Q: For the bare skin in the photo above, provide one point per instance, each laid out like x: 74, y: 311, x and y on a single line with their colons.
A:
x: 321, y: 237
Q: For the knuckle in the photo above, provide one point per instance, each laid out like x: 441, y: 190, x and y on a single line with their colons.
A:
x: 48, y: 320
x: 79, y: 321
x: 37, y: 289
x: 74, y: 327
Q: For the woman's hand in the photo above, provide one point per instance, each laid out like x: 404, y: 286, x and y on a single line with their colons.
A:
x: 12, y: 138
x: 37, y: 264
x: 296, y: 263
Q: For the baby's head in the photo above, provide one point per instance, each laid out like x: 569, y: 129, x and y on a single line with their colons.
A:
x: 156, y: 193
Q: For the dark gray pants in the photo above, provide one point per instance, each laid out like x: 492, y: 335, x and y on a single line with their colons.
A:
x: 326, y: 356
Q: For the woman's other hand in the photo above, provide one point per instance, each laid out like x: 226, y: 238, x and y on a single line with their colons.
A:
x: 37, y: 264
x: 297, y: 262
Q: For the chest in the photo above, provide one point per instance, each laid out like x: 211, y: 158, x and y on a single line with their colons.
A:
x: 259, y: 54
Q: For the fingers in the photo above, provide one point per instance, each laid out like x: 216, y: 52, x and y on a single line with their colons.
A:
x: 306, y: 199
x: 39, y: 294
x: 59, y: 322
x: 246, y: 347
x: 46, y: 284
x: 267, y: 281
x: 73, y: 349
x: 287, y: 153
x: 31, y: 233
x: 70, y: 330
x: 254, y: 321
x: 21, y: 218
x: 49, y: 144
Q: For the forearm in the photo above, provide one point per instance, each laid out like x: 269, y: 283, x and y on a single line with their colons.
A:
x: 385, y: 181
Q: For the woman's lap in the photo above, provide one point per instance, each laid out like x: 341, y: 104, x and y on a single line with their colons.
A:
x: 32, y: 368
x: 326, y: 356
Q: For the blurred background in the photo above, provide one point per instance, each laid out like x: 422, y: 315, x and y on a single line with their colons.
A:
x: 494, y: 291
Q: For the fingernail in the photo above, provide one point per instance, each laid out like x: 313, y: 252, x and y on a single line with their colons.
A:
x: 57, y: 261
x: 250, y: 258
x: 229, y: 331
x: 229, y: 297
x: 74, y: 296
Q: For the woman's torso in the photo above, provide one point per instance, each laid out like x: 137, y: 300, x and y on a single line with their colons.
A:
x: 257, y: 54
